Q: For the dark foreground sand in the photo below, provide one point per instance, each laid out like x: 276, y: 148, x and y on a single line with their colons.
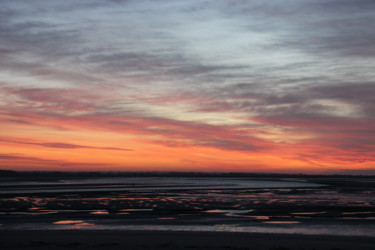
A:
x: 105, y: 239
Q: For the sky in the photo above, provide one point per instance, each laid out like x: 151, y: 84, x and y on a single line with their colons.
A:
x: 187, y: 85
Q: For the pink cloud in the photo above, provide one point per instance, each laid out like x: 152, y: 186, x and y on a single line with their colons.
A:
x: 59, y: 145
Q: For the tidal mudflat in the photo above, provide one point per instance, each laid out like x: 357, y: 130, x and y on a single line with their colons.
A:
x: 317, y: 207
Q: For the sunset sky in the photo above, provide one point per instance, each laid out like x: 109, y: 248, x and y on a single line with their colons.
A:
x: 189, y: 85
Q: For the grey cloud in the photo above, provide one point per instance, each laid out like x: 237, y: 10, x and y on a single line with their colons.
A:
x: 43, y: 46
x: 313, y: 26
x: 173, y: 65
x: 132, y: 61
x: 307, y: 102
x: 353, y: 92
x: 360, y: 94
x: 38, y: 37
x: 228, y: 144
x: 336, y: 27
x: 157, y: 55
x: 340, y: 27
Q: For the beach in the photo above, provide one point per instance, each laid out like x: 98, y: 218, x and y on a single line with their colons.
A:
x: 115, y: 239
x: 257, y: 213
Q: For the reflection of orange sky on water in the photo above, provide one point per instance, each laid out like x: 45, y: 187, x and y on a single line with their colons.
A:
x: 67, y: 222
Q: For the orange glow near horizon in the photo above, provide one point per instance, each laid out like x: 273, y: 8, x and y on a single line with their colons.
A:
x: 71, y: 147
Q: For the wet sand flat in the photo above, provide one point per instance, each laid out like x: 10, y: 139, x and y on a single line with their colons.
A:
x: 331, y: 213
x: 107, y: 239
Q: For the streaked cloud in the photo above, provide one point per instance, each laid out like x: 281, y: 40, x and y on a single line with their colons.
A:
x: 291, y: 81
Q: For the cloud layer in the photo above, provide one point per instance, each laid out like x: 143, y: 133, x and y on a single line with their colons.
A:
x: 188, y: 85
